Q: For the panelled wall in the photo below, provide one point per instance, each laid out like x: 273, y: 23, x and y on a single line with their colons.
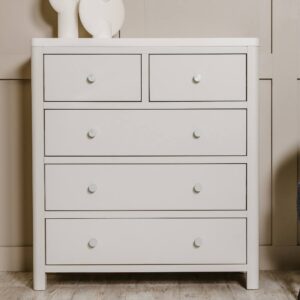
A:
x: 275, y: 22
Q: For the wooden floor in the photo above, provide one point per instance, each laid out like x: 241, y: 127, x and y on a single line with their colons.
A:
x: 274, y: 286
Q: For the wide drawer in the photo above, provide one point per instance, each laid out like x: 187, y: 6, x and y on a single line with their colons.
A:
x: 145, y: 132
x: 145, y: 241
x: 92, y: 77
x: 146, y: 187
x: 203, y: 77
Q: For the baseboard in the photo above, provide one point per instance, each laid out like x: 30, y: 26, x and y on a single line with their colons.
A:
x: 271, y: 258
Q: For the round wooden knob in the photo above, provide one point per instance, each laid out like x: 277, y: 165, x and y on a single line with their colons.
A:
x: 197, y: 78
x: 92, y: 188
x: 91, y: 78
x: 198, y: 242
x: 197, y: 188
x: 92, y: 133
x: 92, y: 243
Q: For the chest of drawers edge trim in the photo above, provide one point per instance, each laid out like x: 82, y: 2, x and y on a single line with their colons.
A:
x: 39, y: 213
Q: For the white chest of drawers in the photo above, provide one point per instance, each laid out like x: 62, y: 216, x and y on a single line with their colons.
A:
x: 145, y: 156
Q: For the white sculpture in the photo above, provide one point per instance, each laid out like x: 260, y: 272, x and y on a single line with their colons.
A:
x: 67, y: 17
x: 102, y: 18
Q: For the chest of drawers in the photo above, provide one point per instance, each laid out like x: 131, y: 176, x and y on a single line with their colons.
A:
x: 145, y: 156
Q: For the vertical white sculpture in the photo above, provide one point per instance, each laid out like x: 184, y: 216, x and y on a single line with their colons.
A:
x: 67, y: 17
x: 102, y: 18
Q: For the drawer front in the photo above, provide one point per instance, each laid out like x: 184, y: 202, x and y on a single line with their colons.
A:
x: 145, y: 132
x: 146, y: 187
x: 198, y: 77
x: 145, y: 241
x: 92, y: 77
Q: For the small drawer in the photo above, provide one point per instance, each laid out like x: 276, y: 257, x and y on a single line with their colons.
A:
x: 98, y: 77
x: 145, y: 241
x: 145, y: 132
x: 146, y: 187
x: 199, y: 77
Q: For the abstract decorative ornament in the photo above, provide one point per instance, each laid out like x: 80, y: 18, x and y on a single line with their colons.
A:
x: 67, y: 17
x: 102, y: 18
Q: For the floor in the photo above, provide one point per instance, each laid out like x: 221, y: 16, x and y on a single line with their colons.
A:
x: 274, y: 286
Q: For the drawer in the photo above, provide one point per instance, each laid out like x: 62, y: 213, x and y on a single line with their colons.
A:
x: 145, y: 132
x: 92, y: 77
x: 203, y: 77
x: 145, y: 241
x: 146, y: 187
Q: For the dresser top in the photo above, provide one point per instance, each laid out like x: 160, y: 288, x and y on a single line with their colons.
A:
x: 150, y: 42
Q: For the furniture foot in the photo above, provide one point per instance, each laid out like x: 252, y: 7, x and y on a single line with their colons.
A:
x: 39, y: 281
x: 252, y: 280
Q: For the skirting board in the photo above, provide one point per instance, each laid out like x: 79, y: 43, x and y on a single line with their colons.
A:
x: 271, y: 258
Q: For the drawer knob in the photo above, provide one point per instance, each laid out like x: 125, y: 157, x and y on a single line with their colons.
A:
x: 91, y: 78
x: 92, y: 133
x: 196, y: 134
x: 92, y: 243
x: 198, y: 242
x: 197, y: 78
x: 92, y: 188
x: 197, y: 188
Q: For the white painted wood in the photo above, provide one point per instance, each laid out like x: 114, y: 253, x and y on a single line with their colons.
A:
x: 174, y: 214
x: 118, y: 48
x: 145, y: 105
x: 146, y: 187
x: 115, y: 77
x: 145, y: 132
x: 39, y: 282
x: 147, y: 136
x: 151, y: 160
x: 198, y: 77
x: 253, y: 172
x: 18, y: 259
x: 145, y: 241
x: 144, y: 268
x: 147, y: 42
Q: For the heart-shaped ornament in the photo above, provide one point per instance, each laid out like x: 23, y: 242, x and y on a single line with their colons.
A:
x: 102, y: 18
